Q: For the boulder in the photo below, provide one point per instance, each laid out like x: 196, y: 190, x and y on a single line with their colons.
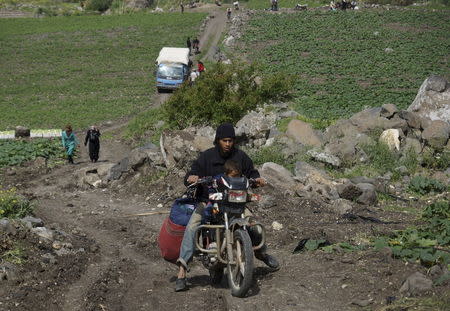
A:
x: 179, y: 148
x: 254, y: 126
x: 368, y: 196
x: 368, y: 119
x: 149, y: 153
x: 22, y: 131
x: 8, y: 272
x: 397, y: 123
x: 138, y: 4
x: 304, y: 171
x: 326, y: 190
x: 412, y: 144
x: 202, y: 143
x: 388, y: 110
x: 303, y: 133
x: 229, y: 41
x: 411, y: 118
x: 207, y: 132
x: 433, y: 99
x: 288, y: 147
x: 348, y: 191
x: 341, y: 206
x: 6, y: 227
x: 415, y: 284
x: 278, y: 176
x: 436, y: 134
x: 324, y: 157
x: 342, y: 128
x: 118, y: 169
x: 43, y: 233
x: 32, y: 222
x: 390, y: 137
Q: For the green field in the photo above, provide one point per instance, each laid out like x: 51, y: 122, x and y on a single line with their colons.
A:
x: 338, y: 59
x: 84, y: 69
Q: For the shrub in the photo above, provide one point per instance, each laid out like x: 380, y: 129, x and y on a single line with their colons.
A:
x: 223, y: 94
x: 98, y: 5
x: 427, y: 244
x: 439, y: 160
x: 423, y: 185
x: 13, y: 205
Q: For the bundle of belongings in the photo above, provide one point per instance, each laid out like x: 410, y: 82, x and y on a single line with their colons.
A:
x: 172, y: 230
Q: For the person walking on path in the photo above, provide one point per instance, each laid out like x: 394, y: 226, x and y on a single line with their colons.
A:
x: 69, y: 142
x: 189, y: 44
x: 182, y: 7
x: 93, y: 137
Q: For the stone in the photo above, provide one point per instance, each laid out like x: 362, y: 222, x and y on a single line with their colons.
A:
x: 276, y: 226
x: 436, y: 134
x: 412, y: 144
x: 411, y: 118
x: 40, y: 162
x: 362, y: 302
x: 149, y: 153
x: 303, y: 133
x: 202, y: 143
x: 229, y: 41
x: 403, y: 170
x: 433, y: 99
x: 43, y: 233
x: 138, y: 4
x: 436, y: 83
x: 324, y: 157
x: 388, y: 50
x: 179, y: 148
x: 207, y: 132
x: 435, y: 272
x: 416, y: 283
x: 8, y: 272
x: 348, y: 191
x: 49, y: 259
x: 118, y: 169
x: 7, y: 227
x: 388, y: 110
x: 368, y: 120
x: 303, y: 171
x: 22, y: 131
x: 390, y: 137
x: 254, y: 125
x: 32, y: 222
x: 341, y: 206
x: 278, y: 176
x: 396, y: 123
x: 368, y: 196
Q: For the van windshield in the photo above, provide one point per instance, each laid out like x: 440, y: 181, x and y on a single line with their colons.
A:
x: 170, y: 72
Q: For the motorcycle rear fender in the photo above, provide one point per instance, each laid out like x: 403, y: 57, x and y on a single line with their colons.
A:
x: 249, y: 222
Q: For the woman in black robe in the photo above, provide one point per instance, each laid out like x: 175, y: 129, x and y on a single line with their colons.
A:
x: 93, y: 137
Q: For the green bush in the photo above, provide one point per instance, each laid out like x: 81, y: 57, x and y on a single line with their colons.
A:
x: 423, y: 185
x: 98, y: 5
x: 15, y: 152
x: 225, y: 93
x: 429, y: 243
x: 13, y: 205
x: 438, y: 160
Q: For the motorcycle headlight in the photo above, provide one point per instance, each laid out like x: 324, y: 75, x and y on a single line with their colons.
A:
x: 237, y: 196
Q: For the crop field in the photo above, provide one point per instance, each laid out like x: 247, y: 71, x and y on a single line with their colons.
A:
x: 83, y: 69
x: 339, y: 59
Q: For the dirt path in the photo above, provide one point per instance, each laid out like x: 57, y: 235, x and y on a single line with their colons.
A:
x: 213, y: 32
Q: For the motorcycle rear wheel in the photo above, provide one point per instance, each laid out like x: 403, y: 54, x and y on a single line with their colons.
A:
x: 240, y: 273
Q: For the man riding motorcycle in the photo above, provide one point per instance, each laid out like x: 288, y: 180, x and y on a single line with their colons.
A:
x: 211, y: 163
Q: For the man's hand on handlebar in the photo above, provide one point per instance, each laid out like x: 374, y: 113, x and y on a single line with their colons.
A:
x: 192, y: 179
x: 260, y: 182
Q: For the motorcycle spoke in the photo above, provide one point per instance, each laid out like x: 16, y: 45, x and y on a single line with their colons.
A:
x: 239, y: 262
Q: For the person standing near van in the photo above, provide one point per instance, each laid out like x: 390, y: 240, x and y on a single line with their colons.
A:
x: 69, y: 142
x: 93, y: 137
x: 189, y: 44
x: 200, y: 67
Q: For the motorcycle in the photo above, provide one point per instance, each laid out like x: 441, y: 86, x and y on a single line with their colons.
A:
x: 224, y: 238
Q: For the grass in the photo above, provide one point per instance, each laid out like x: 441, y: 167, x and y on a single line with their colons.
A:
x: 84, y: 69
x: 266, y: 4
x: 16, y: 255
x: 339, y: 58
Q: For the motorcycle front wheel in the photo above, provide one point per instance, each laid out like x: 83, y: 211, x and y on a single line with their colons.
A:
x: 240, y: 264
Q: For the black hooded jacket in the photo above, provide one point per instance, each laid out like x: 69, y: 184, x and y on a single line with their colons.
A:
x: 211, y: 162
